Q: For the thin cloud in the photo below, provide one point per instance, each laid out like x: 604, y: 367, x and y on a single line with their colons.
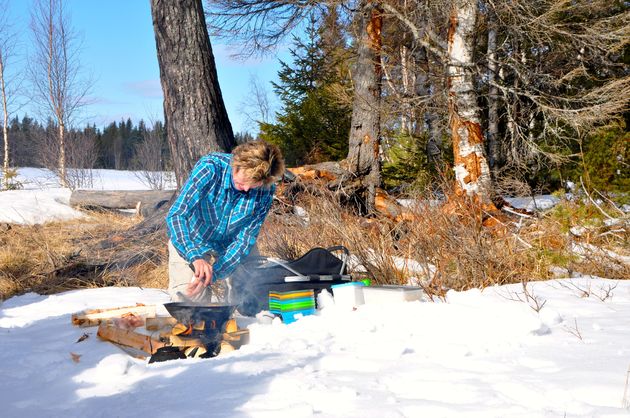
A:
x: 148, y: 89
x: 228, y: 55
x: 100, y: 100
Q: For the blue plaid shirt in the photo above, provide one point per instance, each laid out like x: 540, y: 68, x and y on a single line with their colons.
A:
x: 210, y: 215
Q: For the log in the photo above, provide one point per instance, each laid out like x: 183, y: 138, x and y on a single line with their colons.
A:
x: 226, y: 348
x: 129, y: 338
x: 335, y: 177
x: 195, y: 352
x: 94, y: 317
x: 119, y: 199
x: 237, y: 339
x: 231, y: 326
x: 177, y: 341
x: 236, y: 335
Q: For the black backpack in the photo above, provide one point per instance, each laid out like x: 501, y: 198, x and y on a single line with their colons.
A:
x: 318, y: 269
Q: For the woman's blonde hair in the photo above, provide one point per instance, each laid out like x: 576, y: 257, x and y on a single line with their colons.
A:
x: 260, y: 160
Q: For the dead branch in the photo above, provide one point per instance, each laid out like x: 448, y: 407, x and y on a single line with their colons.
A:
x: 574, y: 330
x: 593, y: 202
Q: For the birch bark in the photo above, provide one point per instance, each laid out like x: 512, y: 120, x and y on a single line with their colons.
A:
x: 5, y: 129
x: 472, y: 173
x: 493, y: 96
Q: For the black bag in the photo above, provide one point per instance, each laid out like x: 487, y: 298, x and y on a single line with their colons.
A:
x: 318, y: 269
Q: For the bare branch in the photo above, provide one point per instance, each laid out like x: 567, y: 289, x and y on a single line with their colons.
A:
x: 258, y: 25
x: 55, y: 71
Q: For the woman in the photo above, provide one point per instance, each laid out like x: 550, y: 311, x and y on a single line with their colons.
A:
x: 214, y: 223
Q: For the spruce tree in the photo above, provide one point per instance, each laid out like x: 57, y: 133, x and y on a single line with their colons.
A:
x: 313, y: 123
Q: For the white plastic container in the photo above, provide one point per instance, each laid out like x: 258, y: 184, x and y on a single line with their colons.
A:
x: 348, y: 295
x: 391, y: 294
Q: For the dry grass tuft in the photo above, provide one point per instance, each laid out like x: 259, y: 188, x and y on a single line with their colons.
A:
x: 450, y: 248
x: 49, y: 258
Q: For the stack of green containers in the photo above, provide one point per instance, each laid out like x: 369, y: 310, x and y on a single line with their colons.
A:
x: 289, y: 305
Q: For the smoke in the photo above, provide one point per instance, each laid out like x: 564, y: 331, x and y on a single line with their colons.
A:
x: 246, y: 288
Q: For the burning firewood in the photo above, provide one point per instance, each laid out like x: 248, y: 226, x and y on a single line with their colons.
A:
x: 181, y: 329
x: 179, y: 341
x: 200, y: 339
x: 230, y: 326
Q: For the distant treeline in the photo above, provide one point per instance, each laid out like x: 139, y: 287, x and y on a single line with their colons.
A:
x: 117, y: 146
x: 122, y: 145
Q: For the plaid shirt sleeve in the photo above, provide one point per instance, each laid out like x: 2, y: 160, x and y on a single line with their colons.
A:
x: 242, y: 245
x: 177, y: 219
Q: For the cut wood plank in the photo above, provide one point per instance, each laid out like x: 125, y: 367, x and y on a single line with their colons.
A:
x: 129, y: 338
x: 226, y: 348
x: 158, y: 322
x: 236, y: 335
x: 177, y: 341
x: 230, y: 326
x: 237, y: 338
x: 94, y: 317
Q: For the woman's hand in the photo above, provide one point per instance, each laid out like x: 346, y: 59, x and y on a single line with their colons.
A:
x: 202, y: 278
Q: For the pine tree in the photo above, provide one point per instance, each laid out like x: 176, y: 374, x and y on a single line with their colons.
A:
x: 313, y: 124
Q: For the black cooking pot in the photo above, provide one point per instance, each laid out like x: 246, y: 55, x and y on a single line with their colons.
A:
x: 188, y: 313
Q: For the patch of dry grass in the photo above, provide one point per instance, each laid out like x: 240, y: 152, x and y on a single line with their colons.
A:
x: 452, y: 247
x: 50, y: 258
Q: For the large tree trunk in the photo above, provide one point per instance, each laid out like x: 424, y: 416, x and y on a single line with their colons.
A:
x: 118, y: 199
x: 472, y: 173
x: 194, y: 112
x: 364, y: 141
x: 493, y: 96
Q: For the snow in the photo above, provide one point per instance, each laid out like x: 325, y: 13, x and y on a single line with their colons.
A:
x: 533, y: 204
x: 36, y: 206
x: 43, y: 200
x: 476, y: 354
x: 559, y: 348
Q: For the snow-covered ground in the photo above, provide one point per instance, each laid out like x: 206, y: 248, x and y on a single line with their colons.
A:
x: 491, y: 353
x: 43, y: 200
x: 478, y: 354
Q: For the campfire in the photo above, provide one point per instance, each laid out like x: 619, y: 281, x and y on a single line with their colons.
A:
x: 192, y: 331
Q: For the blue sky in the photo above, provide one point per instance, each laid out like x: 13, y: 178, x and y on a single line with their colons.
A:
x: 118, y: 50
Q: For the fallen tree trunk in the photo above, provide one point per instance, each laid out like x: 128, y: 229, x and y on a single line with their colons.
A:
x: 118, y: 199
x: 349, y: 189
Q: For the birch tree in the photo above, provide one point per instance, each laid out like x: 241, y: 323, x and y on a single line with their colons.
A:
x: 472, y: 174
x: 55, y: 71
x: 7, y: 84
x: 493, y: 95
